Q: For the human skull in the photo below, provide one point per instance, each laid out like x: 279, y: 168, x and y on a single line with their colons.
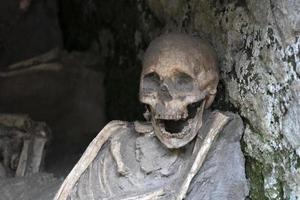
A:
x: 179, y: 80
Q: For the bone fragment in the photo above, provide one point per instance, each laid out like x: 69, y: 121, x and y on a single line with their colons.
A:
x: 37, y: 154
x: 44, y: 62
x: 31, y: 156
x: 47, y: 57
x: 41, y: 67
x: 104, y: 178
x: 86, y: 159
x: 115, y: 149
x: 201, y: 149
x: 23, y: 159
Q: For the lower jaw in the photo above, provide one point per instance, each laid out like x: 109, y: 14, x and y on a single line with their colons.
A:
x: 189, y: 131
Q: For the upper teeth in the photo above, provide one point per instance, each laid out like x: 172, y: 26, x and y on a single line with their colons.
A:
x: 171, y: 117
x: 183, y: 132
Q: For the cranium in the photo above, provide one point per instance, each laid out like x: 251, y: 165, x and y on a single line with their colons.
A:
x: 179, y: 80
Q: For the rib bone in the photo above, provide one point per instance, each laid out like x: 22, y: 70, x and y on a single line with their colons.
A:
x: 201, y: 149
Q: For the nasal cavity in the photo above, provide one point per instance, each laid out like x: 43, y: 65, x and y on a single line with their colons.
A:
x: 164, y: 93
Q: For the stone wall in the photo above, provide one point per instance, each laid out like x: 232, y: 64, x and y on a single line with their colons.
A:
x: 119, y: 31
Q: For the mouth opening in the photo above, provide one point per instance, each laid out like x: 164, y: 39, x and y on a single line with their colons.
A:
x: 177, y: 126
x: 174, y: 126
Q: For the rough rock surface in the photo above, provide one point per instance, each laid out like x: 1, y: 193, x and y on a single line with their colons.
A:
x: 112, y: 28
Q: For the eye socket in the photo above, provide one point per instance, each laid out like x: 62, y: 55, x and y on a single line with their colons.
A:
x: 183, y: 82
x: 151, y: 82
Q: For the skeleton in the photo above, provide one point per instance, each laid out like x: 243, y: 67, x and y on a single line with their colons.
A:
x: 22, y: 143
x: 163, y: 158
